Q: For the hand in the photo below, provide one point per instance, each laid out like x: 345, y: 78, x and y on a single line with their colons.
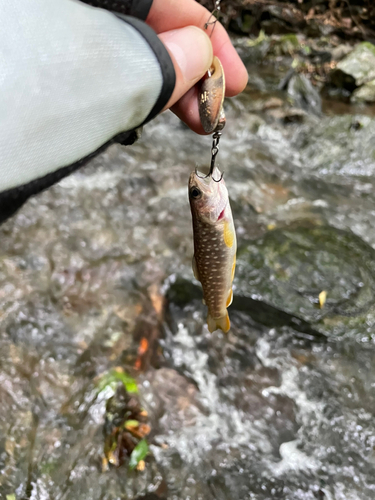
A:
x: 176, y: 22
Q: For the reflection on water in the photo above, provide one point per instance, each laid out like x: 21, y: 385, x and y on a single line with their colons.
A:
x: 281, y: 407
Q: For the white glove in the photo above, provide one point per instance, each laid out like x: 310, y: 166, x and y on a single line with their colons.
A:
x: 72, y: 78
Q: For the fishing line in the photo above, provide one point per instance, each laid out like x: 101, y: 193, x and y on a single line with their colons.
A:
x: 215, y: 11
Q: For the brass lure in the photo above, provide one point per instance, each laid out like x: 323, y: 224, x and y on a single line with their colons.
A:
x: 211, y: 98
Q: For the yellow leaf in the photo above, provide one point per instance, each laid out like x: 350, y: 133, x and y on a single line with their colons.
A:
x: 141, y: 465
x: 322, y: 298
x: 104, y: 464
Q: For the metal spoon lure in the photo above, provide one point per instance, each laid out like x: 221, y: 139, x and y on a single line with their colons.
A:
x: 211, y: 112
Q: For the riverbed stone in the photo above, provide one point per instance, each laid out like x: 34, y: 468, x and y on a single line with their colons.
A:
x: 364, y: 94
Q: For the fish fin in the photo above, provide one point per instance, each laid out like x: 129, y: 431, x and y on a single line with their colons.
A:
x: 214, y: 323
x: 230, y: 298
x: 195, y: 269
x: 229, y: 234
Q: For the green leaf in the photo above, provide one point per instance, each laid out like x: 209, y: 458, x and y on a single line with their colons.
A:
x: 113, y: 377
x: 128, y: 381
x: 11, y: 497
x: 138, y: 454
x: 131, y: 423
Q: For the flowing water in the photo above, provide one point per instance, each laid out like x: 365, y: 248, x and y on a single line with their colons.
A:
x: 283, y: 406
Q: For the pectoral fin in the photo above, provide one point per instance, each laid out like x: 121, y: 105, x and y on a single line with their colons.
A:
x: 214, y: 323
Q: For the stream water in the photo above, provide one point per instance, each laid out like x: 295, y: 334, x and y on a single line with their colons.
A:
x: 283, y: 406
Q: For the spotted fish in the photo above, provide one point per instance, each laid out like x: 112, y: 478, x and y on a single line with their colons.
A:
x: 215, y: 245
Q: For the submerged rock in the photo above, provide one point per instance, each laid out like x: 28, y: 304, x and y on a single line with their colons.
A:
x: 289, y: 267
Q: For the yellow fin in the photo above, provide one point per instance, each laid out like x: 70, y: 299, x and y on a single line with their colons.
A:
x: 228, y: 234
x: 230, y: 298
x: 195, y: 269
x: 214, y: 323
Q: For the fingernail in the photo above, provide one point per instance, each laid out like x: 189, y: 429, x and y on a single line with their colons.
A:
x: 191, y: 49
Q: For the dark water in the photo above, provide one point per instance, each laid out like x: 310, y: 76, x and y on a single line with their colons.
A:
x: 280, y: 408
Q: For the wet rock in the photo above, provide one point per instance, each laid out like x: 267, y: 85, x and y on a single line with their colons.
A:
x: 255, y: 50
x: 341, y: 51
x: 304, y: 95
x: 272, y: 102
x: 243, y: 23
x: 288, y: 115
x: 281, y: 19
x: 306, y: 262
x: 357, y: 68
x: 364, y: 94
x: 173, y: 400
x: 337, y: 147
x: 316, y: 55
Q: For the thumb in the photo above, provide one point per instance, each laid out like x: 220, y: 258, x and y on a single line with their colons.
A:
x: 191, y: 52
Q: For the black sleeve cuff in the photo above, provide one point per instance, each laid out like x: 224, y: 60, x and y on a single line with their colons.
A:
x: 165, y: 63
x: 136, y: 8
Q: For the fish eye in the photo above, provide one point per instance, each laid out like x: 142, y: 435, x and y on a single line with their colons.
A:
x: 195, y: 193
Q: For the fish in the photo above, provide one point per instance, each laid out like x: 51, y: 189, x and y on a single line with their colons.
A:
x: 215, y: 245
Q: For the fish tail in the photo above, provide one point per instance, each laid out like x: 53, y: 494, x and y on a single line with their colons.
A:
x: 214, y: 323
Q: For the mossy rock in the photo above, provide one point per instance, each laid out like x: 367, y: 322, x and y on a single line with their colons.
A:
x: 285, y: 45
x: 356, y: 68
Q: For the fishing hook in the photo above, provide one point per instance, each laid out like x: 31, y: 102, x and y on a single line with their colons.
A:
x: 214, y: 151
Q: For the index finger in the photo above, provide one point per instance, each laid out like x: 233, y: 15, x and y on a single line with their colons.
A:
x: 166, y: 15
